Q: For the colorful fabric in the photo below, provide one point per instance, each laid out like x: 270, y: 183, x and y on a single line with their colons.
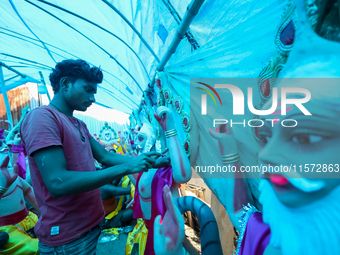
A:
x: 138, y: 235
x: 21, y: 161
x: 162, y: 177
x: 2, y: 137
x: 120, y: 149
x: 110, y: 205
x: 19, y: 241
x: 69, y: 217
x: 255, y: 234
x: 125, y: 183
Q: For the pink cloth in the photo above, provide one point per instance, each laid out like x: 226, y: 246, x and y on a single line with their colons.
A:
x: 21, y: 161
x: 162, y: 177
x: 256, y: 237
x: 73, y: 215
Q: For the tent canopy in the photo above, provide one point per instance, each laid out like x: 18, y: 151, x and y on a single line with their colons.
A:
x: 125, y: 38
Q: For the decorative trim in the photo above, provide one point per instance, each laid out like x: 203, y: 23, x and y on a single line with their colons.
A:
x: 167, y: 95
x: 312, y: 12
x: 186, y: 121
x: 178, y: 104
x: 187, y: 141
x: 253, y: 129
x: 270, y: 72
x: 288, y: 16
x: 249, y: 210
x: 160, y: 99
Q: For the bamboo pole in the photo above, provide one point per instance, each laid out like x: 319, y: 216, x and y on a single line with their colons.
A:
x: 4, y: 93
x: 190, y: 14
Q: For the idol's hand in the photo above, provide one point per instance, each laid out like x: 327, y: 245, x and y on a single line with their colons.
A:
x: 169, y: 232
x: 226, y: 139
x: 165, y: 118
x: 6, y: 178
x: 17, y: 140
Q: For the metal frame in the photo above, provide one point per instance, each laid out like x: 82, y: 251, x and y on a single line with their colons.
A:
x: 4, y: 91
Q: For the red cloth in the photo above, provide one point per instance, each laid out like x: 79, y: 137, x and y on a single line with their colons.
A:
x: 74, y: 214
x: 14, y: 218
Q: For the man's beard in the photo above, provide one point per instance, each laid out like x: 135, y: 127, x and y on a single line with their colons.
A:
x: 313, y: 229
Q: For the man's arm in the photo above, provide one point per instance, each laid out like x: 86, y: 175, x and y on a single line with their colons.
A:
x: 112, y: 159
x: 107, y: 158
x: 61, y: 181
x: 108, y: 191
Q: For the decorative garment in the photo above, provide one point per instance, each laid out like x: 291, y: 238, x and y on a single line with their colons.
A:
x: 19, y: 241
x: 21, y: 161
x: 254, y: 235
x: 2, y: 131
x: 138, y: 235
x: 110, y: 205
x: 162, y: 177
x: 120, y: 149
x: 112, y: 214
x: 14, y: 218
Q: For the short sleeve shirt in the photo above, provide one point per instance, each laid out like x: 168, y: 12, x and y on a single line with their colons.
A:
x: 69, y: 217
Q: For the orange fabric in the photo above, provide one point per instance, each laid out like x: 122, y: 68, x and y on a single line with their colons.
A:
x: 109, y: 205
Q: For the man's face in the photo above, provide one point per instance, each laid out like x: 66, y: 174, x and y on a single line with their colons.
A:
x: 80, y: 94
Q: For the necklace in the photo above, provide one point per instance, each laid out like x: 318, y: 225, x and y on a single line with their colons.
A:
x: 78, y: 128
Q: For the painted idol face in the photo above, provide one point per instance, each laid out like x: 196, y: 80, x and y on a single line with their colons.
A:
x: 304, y: 148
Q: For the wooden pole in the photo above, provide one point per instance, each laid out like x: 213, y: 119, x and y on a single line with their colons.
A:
x: 4, y: 93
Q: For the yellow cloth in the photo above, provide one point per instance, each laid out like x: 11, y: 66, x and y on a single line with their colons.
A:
x: 111, y: 231
x: 138, y: 235
x: 115, y: 146
x: 120, y: 149
x: 19, y: 242
x: 125, y: 183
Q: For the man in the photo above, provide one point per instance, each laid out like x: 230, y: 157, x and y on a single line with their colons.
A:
x: 61, y: 152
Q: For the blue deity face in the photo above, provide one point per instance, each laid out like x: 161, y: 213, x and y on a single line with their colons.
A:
x: 309, y: 149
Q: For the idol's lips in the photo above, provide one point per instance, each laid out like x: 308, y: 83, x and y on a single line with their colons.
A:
x: 278, y: 179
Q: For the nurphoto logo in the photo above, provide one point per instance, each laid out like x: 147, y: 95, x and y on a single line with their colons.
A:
x: 238, y: 102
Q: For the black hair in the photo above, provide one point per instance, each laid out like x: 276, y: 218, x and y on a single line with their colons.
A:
x: 73, y: 70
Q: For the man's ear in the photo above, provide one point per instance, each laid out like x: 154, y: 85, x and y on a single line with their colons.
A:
x: 64, y: 83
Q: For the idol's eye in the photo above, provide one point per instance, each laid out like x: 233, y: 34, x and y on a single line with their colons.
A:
x: 305, y: 139
x: 264, y: 139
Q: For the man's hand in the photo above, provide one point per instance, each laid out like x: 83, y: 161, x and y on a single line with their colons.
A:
x: 6, y: 178
x: 141, y: 163
x: 162, y: 162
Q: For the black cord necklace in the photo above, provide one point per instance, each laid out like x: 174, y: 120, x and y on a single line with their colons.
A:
x: 78, y: 128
